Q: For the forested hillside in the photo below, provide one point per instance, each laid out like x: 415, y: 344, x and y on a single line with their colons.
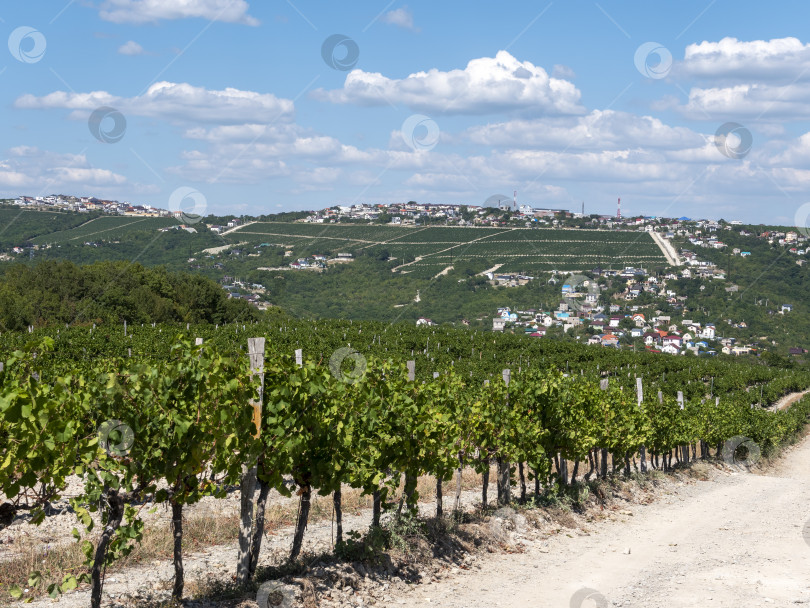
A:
x: 62, y: 292
x: 753, y: 293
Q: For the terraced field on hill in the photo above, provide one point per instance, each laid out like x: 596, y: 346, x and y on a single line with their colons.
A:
x: 19, y: 226
x: 105, y: 227
x: 425, y: 251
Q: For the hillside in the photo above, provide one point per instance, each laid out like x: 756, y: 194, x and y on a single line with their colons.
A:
x: 402, y: 273
x: 392, y: 264
x: 20, y: 227
x: 56, y: 293
x: 104, y: 227
x: 427, y: 250
x: 748, y: 303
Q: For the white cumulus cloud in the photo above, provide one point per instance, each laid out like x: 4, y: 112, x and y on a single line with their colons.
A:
x: 31, y: 168
x: 761, y: 80
x: 151, y: 11
x: 598, y: 130
x: 402, y: 17
x: 485, y: 85
x: 731, y: 59
x: 754, y: 101
x: 174, y: 101
x: 131, y: 48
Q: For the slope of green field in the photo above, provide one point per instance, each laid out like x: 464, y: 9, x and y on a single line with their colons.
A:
x: 105, y: 227
x: 427, y: 250
x: 18, y: 226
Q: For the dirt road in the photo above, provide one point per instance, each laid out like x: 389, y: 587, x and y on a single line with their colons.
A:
x: 788, y: 400
x: 667, y: 249
x: 737, y: 540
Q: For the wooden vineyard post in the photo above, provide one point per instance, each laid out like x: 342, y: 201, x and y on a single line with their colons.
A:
x: 439, y: 489
x: 603, y: 384
x: 406, y: 495
x: 680, y: 403
x: 504, y: 489
x: 256, y: 354
x: 457, y: 501
x: 439, y: 498
x: 247, y: 486
x: 642, y: 452
x: 257, y: 367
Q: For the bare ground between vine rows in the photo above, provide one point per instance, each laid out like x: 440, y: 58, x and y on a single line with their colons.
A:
x: 508, y: 534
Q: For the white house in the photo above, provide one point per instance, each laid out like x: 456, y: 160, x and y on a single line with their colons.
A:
x: 546, y: 320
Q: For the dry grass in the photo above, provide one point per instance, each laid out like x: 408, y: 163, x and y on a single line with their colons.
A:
x: 199, y: 532
x: 56, y: 562
x: 209, y: 530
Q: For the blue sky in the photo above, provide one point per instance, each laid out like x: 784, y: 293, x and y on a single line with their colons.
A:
x: 691, y: 108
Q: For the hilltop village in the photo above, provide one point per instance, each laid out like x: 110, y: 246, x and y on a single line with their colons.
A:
x: 637, y: 307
